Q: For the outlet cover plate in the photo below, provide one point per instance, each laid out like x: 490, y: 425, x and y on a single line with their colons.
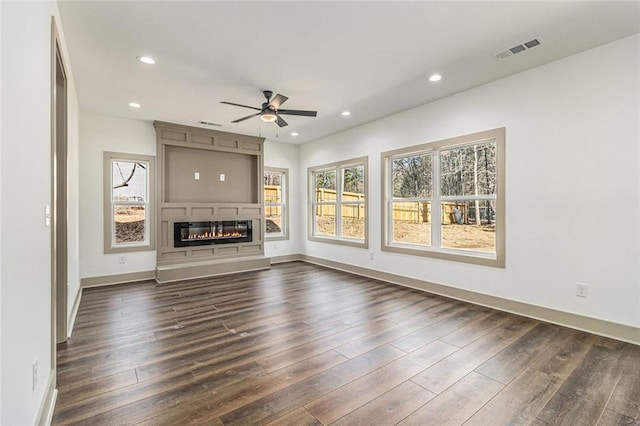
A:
x: 582, y: 290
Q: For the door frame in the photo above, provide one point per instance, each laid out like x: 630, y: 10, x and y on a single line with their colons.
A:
x: 59, y: 195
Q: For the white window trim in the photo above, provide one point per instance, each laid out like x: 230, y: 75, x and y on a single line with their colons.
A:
x: 337, y: 167
x: 496, y: 259
x: 109, y: 204
x: 284, y: 205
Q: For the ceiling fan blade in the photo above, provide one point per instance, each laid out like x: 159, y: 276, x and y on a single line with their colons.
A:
x: 240, y: 105
x: 277, y: 100
x: 298, y: 112
x: 247, y: 117
x: 280, y: 122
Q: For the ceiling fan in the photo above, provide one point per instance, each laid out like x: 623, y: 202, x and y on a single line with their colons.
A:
x: 270, y: 110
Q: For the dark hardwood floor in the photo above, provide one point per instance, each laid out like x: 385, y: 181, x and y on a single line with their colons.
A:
x: 304, y: 345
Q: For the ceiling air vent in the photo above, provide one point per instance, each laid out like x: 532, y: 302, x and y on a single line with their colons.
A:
x: 533, y: 43
x: 209, y: 123
x: 517, y: 49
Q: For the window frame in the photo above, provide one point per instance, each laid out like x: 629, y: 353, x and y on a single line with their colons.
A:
x: 435, y: 249
x: 338, y: 167
x: 108, y: 218
x: 284, y: 204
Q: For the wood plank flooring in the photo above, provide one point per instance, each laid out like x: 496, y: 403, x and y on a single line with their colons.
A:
x: 300, y: 344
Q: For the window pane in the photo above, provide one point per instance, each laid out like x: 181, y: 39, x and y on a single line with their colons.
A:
x: 129, y: 180
x: 468, y: 170
x: 326, y: 179
x: 352, y: 182
x: 353, y: 221
x: 412, y: 223
x: 272, y: 188
x: 274, y: 219
x: 325, y: 218
x: 325, y: 184
x: 412, y: 176
x: 129, y: 224
x: 352, y: 215
x: 469, y: 225
x: 271, y: 178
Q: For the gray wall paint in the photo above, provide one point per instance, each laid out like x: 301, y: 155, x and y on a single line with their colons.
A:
x: 181, y: 164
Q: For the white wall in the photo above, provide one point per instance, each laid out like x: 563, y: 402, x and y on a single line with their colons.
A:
x: 99, y: 133
x: 285, y: 156
x: 572, y: 182
x: 25, y: 168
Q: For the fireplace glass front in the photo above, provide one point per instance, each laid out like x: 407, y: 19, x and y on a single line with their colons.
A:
x: 187, y: 234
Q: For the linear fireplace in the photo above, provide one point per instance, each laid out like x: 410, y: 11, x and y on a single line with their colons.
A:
x: 187, y: 234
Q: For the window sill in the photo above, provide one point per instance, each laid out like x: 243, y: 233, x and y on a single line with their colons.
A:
x: 129, y: 248
x: 351, y: 242
x: 464, y: 256
x: 276, y: 237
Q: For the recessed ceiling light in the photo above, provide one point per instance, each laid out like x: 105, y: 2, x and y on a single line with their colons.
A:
x: 147, y: 60
x: 435, y: 77
x: 346, y: 113
x: 134, y: 105
x: 294, y: 133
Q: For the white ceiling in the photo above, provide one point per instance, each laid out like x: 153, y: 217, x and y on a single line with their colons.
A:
x: 371, y: 58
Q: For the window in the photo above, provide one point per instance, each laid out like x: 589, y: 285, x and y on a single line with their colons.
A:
x: 276, y: 187
x: 128, y: 202
x: 445, y: 199
x: 338, y: 204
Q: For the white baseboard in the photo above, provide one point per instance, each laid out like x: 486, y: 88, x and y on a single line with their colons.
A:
x: 74, y: 312
x: 286, y: 258
x: 45, y: 413
x: 117, y: 279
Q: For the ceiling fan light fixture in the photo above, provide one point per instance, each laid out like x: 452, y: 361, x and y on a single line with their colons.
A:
x: 268, y: 117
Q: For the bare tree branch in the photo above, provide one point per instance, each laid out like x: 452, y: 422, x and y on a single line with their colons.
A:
x: 126, y: 181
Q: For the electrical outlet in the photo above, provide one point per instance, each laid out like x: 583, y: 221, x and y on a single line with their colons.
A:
x: 34, y: 374
x: 371, y: 255
x: 222, y: 177
x: 122, y: 259
x: 196, y: 176
x: 275, y: 246
x: 582, y: 290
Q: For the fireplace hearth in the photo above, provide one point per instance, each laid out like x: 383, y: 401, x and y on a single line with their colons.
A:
x: 187, y: 234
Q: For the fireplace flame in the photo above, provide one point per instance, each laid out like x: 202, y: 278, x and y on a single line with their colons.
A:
x: 211, y: 235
